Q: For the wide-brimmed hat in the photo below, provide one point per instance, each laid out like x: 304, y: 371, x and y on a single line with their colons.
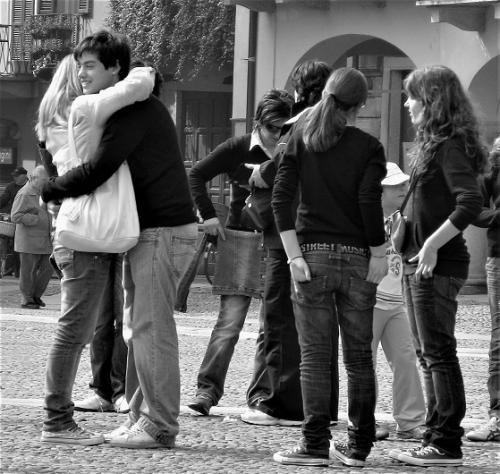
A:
x: 394, y: 175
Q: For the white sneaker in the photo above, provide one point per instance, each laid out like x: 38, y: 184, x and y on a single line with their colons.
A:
x: 488, y: 432
x: 120, y: 431
x: 94, y: 403
x: 136, y: 438
x: 253, y: 416
x: 121, y: 405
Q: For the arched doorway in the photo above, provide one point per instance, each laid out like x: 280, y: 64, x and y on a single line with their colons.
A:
x: 485, y: 92
x: 385, y: 67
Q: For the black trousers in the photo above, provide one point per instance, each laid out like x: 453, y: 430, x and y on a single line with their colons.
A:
x: 277, y: 360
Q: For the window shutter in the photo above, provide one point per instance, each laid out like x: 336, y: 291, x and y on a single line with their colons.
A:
x: 46, y: 6
x: 84, y: 7
x: 22, y: 11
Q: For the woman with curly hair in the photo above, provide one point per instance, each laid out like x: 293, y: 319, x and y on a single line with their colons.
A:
x: 448, y: 156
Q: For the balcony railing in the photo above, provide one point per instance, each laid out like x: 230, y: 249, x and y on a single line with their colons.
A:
x: 39, y: 44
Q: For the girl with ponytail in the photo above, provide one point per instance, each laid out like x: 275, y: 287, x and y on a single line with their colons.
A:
x: 336, y: 253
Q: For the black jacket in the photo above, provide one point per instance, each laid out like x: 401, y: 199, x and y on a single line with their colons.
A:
x: 227, y: 158
x: 447, y: 189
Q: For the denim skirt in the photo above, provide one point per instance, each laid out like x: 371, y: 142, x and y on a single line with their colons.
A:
x: 239, y: 264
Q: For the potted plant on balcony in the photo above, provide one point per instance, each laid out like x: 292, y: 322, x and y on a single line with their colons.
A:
x: 45, y: 60
x: 42, y: 27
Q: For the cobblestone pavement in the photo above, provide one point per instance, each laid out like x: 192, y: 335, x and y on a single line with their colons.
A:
x: 221, y: 443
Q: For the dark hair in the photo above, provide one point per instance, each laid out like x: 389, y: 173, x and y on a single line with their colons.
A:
x: 275, y: 104
x: 158, y: 77
x: 345, y: 89
x: 109, y: 47
x: 309, y: 79
x: 447, y: 113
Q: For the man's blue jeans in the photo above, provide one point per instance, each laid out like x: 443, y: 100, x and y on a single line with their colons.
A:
x: 151, y: 274
x: 493, y: 282
x: 432, y: 308
x: 85, y: 288
x: 108, y: 351
x: 225, y: 335
x: 338, y: 284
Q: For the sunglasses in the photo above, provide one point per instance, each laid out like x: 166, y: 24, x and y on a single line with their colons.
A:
x: 272, y: 128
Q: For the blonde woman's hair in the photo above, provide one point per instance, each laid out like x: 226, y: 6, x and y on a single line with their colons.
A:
x: 56, y: 102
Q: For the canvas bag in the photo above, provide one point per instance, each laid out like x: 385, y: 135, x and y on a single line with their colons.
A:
x: 105, y: 220
x: 398, y: 221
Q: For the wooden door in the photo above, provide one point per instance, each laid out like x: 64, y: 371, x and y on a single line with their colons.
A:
x: 396, y: 129
x: 206, y: 122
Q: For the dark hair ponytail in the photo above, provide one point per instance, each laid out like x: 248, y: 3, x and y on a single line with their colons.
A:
x: 346, y: 88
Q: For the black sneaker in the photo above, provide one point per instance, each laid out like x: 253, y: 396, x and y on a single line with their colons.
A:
x: 30, y: 305
x: 299, y: 456
x: 201, y: 403
x: 429, y: 456
x: 348, y: 456
x: 39, y: 302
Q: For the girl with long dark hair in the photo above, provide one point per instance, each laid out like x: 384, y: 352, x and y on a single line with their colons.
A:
x: 448, y: 155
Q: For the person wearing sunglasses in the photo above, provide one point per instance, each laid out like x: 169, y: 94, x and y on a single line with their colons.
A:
x: 273, y: 110
x: 283, y: 402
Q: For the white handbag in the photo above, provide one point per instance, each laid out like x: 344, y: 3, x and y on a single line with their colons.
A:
x: 103, y: 221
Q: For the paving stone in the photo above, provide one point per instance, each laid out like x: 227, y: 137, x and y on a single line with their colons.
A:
x: 220, y: 443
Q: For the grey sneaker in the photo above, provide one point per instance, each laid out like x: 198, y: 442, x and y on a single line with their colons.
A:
x: 299, y: 456
x: 73, y: 435
x: 347, y: 455
x: 415, y: 433
x: 201, y: 403
x: 488, y: 432
x: 429, y: 456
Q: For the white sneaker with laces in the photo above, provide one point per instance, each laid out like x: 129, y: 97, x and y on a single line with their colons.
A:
x: 136, y: 438
x: 488, y: 432
x: 120, y: 431
x: 94, y: 403
x: 429, y: 456
x: 253, y: 416
x: 121, y: 405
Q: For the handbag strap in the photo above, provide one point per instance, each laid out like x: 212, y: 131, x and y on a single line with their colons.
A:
x: 413, y: 182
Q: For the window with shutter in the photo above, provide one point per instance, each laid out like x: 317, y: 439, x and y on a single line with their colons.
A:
x: 22, y: 10
x: 46, y: 6
x: 84, y: 7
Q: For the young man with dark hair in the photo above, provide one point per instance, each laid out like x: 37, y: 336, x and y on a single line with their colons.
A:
x: 144, y: 135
